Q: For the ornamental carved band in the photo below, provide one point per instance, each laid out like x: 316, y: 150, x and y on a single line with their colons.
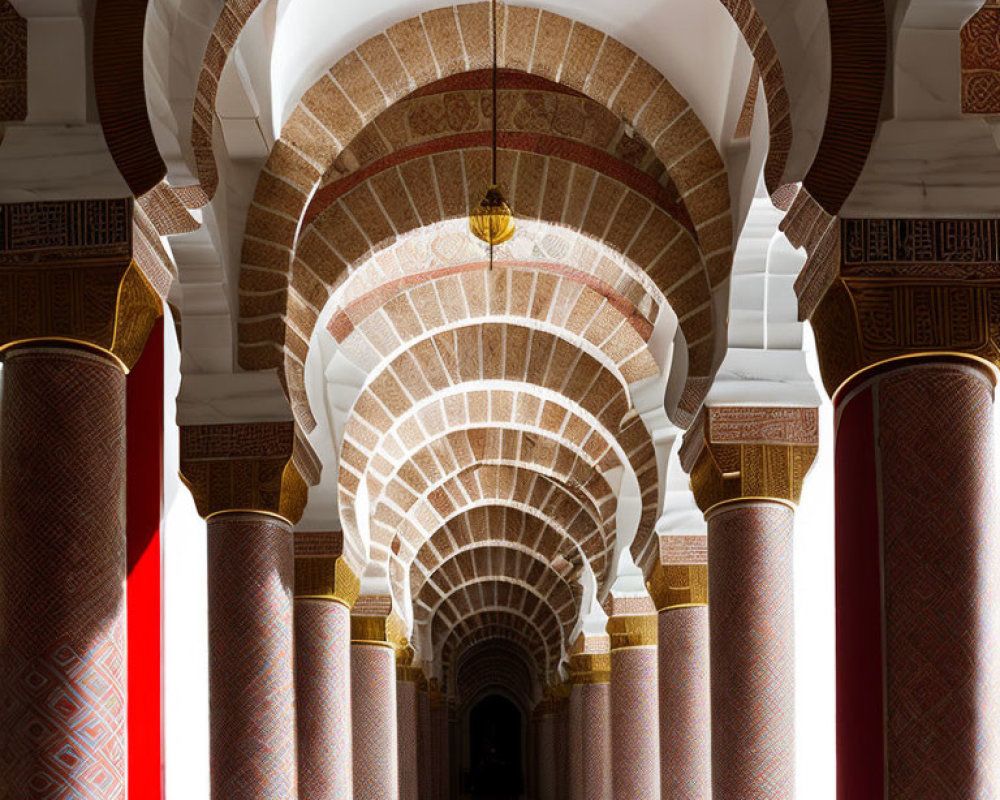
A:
x: 67, y: 274
x: 243, y: 467
x: 876, y: 290
x: 586, y: 668
x: 749, y: 453
x: 633, y: 630
x: 679, y: 586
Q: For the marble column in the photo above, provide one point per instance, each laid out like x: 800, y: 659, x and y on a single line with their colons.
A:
x: 747, y: 466
x: 407, y: 716
x: 917, y: 572
x: 251, y: 495
x: 590, y: 725
x: 373, y: 708
x: 680, y: 592
x: 635, y: 710
x: 325, y: 590
x: 904, y: 314
x: 62, y: 561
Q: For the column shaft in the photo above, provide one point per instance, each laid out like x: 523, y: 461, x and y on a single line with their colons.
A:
x: 373, y: 714
x: 635, y: 724
x: 251, y: 680
x: 407, y: 736
x: 595, y: 713
x: 575, y: 743
x: 546, y: 757
x: 685, y: 704
x: 62, y: 611
x: 918, y: 683
x: 323, y: 695
x: 752, y: 651
x: 441, y: 782
x: 425, y: 748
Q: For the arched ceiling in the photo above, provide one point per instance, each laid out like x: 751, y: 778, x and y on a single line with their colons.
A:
x: 493, y: 442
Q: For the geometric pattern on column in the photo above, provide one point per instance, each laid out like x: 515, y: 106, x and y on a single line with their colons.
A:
x: 941, y: 568
x: 680, y: 592
x: 250, y: 565
x: 407, y: 713
x: 752, y: 651
x: 62, y: 550
x: 635, y: 708
x: 590, y: 720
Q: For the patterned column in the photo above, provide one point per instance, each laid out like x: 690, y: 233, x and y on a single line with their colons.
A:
x: 439, y: 740
x: 680, y: 590
x: 590, y: 720
x: 407, y: 716
x: 424, y: 740
x: 62, y: 561
x: 373, y: 703
x: 244, y: 483
x: 635, y: 708
x: 325, y: 590
x: 747, y: 466
x: 545, y: 747
x: 76, y: 315
x: 904, y: 312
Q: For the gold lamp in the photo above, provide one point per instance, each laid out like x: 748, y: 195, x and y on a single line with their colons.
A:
x: 492, y: 220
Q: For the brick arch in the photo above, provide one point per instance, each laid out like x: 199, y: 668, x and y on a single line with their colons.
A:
x: 487, y: 561
x: 445, y: 459
x: 510, y: 527
x: 465, y: 600
x: 381, y: 322
x: 494, y: 662
x: 447, y: 639
x: 420, y: 51
x: 503, y: 627
x: 398, y: 202
x: 517, y: 486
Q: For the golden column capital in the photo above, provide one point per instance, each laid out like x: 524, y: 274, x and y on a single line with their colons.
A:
x: 406, y: 670
x: 373, y: 621
x: 587, y: 668
x: 736, y: 453
x: 633, y: 630
x: 883, y: 290
x: 255, y: 467
x: 678, y: 586
x: 321, y: 572
x: 67, y: 275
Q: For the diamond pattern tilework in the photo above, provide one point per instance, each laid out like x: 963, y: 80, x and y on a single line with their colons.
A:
x: 685, y: 718
x: 941, y: 565
x: 373, y: 712
x: 409, y: 766
x: 595, y: 701
x: 323, y: 698
x: 62, y: 551
x: 752, y: 652
x: 252, y: 731
x: 635, y: 723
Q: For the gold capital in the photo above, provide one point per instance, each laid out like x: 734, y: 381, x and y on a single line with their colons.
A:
x: 749, y: 453
x: 679, y: 586
x: 586, y: 668
x: 325, y: 577
x: 633, y: 630
x: 880, y: 290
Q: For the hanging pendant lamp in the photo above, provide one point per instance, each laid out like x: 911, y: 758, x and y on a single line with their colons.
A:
x: 492, y: 220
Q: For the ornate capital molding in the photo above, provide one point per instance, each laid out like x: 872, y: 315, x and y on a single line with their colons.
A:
x: 67, y: 274
x: 243, y: 467
x: 878, y: 290
x: 633, y: 630
x: 746, y: 453
x: 585, y: 668
x: 321, y: 572
x: 679, y: 586
x: 373, y: 621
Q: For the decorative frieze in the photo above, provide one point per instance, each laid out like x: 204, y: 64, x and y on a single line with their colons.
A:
x: 243, y: 467
x: 67, y: 274
x: 877, y: 290
x: 758, y: 453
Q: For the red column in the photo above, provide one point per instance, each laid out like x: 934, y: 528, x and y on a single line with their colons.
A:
x: 546, y: 749
x: 635, y: 707
x: 250, y: 565
x: 918, y: 682
x: 752, y: 651
x: 144, y: 511
x: 62, y: 592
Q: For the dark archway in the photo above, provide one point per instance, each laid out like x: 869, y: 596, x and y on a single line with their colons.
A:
x: 496, y: 771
